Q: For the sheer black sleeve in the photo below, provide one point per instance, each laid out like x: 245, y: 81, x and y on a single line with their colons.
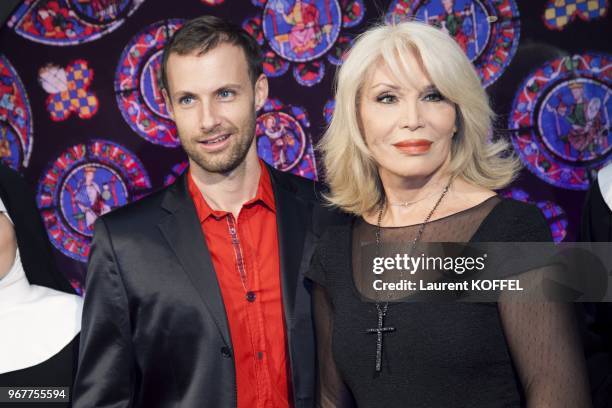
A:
x: 546, y: 350
x: 543, y: 337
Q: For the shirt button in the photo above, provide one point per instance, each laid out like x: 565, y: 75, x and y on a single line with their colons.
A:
x: 260, y: 355
x: 225, y: 352
x: 250, y: 296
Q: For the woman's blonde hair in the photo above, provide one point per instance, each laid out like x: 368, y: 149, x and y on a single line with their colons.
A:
x: 350, y: 170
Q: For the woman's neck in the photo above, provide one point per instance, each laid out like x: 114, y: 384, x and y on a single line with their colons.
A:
x: 412, y: 204
x: 460, y: 196
x: 408, y: 200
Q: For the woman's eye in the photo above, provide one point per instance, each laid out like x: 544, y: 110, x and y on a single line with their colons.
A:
x: 386, y: 98
x: 433, y: 97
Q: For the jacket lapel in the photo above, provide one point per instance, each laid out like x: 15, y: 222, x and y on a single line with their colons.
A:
x: 293, y: 220
x: 182, y: 230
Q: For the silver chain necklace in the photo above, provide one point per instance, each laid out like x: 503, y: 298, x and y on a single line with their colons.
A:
x: 381, y: 309
x: 409, y: 203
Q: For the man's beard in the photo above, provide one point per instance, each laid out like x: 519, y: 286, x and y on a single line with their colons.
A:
x: 228, y: 160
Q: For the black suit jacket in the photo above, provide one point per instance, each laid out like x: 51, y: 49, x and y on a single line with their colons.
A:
x: 155, y: 332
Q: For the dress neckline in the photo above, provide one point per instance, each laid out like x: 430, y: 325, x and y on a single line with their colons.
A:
x: 437, y: 219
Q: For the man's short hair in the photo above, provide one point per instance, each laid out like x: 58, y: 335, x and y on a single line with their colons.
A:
x: 203, y: 34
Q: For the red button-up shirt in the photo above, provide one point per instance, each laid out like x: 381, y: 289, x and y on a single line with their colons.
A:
x: 245, y: 257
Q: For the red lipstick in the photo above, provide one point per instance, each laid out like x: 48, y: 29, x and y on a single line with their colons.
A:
x: 415, y: 146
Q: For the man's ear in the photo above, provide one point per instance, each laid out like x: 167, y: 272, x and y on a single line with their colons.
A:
x: 261, y: 91
x: 168, y: 102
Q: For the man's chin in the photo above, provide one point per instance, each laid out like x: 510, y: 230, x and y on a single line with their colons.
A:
x: 218, y: 165
x: 220, y: 162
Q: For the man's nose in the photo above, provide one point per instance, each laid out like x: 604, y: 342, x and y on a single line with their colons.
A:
x: 209, y: 117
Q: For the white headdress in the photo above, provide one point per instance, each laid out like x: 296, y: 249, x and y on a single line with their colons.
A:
x: 37, y: 322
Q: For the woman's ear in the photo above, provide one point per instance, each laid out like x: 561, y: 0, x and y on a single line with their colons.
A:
x: 457, y: 121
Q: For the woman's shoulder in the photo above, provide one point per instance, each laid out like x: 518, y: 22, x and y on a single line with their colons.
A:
x: 512, y: 220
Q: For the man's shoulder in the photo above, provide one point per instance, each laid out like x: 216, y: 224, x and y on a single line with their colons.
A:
x: 313, y: 193
x: 144, y: 211
x: 301, y: 187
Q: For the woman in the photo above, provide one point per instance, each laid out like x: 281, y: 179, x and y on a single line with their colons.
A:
x: 40, y: 316
x: 407, y: 154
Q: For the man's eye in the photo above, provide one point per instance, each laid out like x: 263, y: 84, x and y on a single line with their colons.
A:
x: 433, y: 97
x: 226, y: 93
x: 386, y: 98
x: 186, y: 100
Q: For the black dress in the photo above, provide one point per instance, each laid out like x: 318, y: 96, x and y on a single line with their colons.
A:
x: 443, y: 354
x: 58, y: 371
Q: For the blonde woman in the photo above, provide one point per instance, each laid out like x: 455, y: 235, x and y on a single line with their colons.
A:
x: 407, y: 154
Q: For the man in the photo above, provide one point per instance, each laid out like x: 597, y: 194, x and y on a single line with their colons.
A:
x: 195, y: 294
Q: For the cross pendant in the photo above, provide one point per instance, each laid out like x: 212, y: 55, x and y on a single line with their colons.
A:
x: 380, y: 330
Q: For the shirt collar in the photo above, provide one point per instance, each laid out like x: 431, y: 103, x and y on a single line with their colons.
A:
x: 264, y: 195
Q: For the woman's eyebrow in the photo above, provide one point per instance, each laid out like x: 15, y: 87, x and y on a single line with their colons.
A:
x: 385, y: 84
